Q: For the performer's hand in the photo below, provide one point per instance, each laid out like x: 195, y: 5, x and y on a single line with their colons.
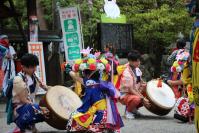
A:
x: 45, y: 112
x: 144, y: 84
x: 169, y: 82
x: 146, y: 102
x: 44, y: 86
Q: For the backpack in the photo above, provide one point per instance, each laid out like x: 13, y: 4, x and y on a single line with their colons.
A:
x: 8, y: 89
x: 8, y: 94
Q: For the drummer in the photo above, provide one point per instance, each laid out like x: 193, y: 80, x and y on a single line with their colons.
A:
x: 26, y: 113
x: 131, y: 86
x: 174, y: 80
x: 29, y: 62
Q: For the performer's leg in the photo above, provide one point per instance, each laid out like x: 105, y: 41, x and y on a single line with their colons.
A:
x: 28, y: 116
x: 133, y: 102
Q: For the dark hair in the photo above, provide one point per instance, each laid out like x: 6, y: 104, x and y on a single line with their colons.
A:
x: 180, y: 43
x: 29, y: 60
x: 134, y: 55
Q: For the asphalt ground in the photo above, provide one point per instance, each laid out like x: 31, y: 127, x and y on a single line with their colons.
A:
x: 147, y: 123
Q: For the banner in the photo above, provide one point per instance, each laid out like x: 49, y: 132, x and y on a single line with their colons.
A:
x: 71, y: 33
x: 36, y: 48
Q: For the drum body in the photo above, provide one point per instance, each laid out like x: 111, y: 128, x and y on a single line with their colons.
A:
x: 61, y: 102
x: 162, y: 98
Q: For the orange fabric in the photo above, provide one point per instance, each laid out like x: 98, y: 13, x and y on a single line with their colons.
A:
x: 131, y: 101
x: 128, y: 80
x: 175, y: 89
x: 18, y: 66
x: 1, y: 78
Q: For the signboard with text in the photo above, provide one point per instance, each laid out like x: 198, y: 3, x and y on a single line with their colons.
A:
x: 71, y: 33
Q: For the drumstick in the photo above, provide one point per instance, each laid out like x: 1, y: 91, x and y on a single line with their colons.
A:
x: 40, y: 82
x: 37, y: 111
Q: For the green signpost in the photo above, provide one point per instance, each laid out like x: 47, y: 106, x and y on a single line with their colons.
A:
x: 71, y: 33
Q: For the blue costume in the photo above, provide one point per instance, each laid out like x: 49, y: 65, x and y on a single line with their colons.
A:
x: 97, y: 101
x: 28, y: 115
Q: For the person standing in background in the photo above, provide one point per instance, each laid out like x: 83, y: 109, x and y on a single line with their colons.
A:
x: 2, y: 54
x: 8, y: 65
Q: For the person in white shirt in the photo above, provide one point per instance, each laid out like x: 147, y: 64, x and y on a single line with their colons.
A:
x: 29, y: 63
x: 8, y: 65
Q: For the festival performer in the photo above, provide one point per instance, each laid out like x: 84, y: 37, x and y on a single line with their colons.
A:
x: 182, y: 59
x: 8, y: 65
x: 131, y: 88
x: 25, y: 112
x: 3, y: 50
x: 175, y: 75
x: 98, y: 111
x: 193, y: 11
x: 110, y: 55
x: 184, y: 107
x: 29, y: 63
x: 195, y: 78
x: 180, y: 45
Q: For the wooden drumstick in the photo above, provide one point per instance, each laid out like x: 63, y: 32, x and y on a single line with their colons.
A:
x: 40, y: 82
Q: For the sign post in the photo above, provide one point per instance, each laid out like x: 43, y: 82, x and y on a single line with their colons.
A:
x: 71, y: 33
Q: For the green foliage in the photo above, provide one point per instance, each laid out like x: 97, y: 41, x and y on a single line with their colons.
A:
x: 10, y: 22
x: 156, y: 22
x: 47, y: 8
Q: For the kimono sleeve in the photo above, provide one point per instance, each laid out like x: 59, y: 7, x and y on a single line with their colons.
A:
x: 127, y: 81
x: 86, y: 102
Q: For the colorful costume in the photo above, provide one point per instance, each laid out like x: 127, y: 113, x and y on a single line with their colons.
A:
x: 2, y: 54
x: 181, y: 56
x: 20, y: 108
x: 98, y: 111
x: 27, y: 116
x: 195, y: 78
x: 8, y: 66
x: 129, y: 80
x: 193, y: 11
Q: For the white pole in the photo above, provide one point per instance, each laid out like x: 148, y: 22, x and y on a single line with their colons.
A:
x: 112, y: 74
x: 80, y: 21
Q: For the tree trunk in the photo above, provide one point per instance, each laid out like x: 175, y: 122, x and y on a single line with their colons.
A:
x: 40, y: 16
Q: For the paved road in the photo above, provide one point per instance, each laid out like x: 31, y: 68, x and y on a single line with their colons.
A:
x: 149, y: 123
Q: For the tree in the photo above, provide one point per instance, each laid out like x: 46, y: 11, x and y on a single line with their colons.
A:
x: 156, y: 22
x: 10, y: 22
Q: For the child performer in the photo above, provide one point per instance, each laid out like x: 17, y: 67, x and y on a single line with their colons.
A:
x: 98, y: 111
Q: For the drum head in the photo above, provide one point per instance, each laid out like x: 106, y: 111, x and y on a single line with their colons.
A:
x: 62, y: 101
x: 162, y: 96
